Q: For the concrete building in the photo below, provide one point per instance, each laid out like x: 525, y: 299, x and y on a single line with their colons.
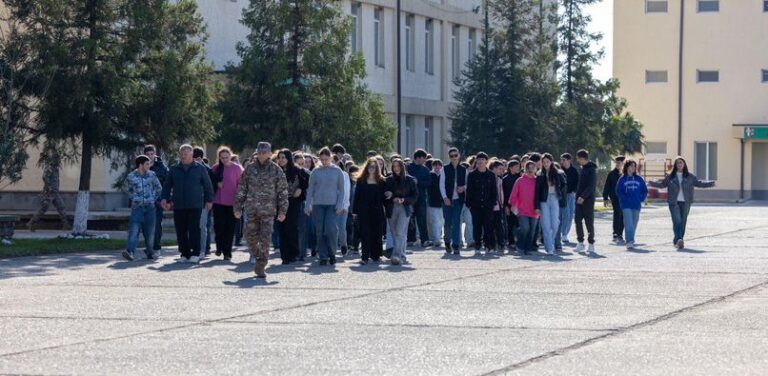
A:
x: 437, y: 39
x: 695, y: 73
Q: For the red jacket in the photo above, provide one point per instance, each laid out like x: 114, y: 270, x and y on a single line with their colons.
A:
x: 523, y: 196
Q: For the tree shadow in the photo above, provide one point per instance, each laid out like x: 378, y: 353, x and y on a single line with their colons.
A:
x: 136, y: 263
x: 41, y: 266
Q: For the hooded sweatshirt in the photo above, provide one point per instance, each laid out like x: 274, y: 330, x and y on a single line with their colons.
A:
x: 523, y: 196
x: 631, y: 191
x: 587, y: 182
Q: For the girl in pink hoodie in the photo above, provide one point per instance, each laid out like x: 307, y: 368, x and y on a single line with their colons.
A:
x: 522, y: 202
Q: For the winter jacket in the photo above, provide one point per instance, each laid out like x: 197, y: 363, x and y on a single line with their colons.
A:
x: 404, y: 188
x: 587, y: 182
x: 631, y: 191
x: 523, y: 196
x: 508, y: 183
x: 144, y: 189
x: 188, y: 187
x: 673, y: 186
x: 542, y: 190
x: 572, y: 177
x: 609, y: 189
x: 481, y: 189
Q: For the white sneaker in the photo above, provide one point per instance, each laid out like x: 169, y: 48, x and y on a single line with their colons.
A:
x: 630, y: 246
x: 580, y: 248
x: 591, y: 249
x: 252, y: 260
x: 194, y: 260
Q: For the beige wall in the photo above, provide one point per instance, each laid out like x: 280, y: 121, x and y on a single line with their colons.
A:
x: 733, y: 41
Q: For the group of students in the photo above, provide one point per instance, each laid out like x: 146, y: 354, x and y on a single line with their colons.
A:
x: 298, y: 203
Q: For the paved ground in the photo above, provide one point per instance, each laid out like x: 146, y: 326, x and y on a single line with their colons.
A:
x: 652, y: 311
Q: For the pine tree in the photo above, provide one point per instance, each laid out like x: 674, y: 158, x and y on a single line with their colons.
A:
x: 100, y: 53
x: 298, y: 84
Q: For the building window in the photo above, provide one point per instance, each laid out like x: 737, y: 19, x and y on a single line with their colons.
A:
x: 471, y: 44
x: 655, y: 6
x: 707, y: 76
x: 409, y: 134
x: 765, y: 5
x: 455, y: 62
x: 765, y: 75
x: 428, y: 129
x: 656, y: 147
x: 707, y: 6
x: 705, y: 154
x: 655, y: 76
x: 429, y: 46
x: 378, y: 37
x: 354, y: 33
x: 409, y: 43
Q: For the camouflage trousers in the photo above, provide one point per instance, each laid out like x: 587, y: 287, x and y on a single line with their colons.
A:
x: 46, y: 200
x: 258, y: 234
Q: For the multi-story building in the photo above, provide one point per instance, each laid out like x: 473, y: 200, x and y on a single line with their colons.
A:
x: 695, y: 72
x: 437, y: 39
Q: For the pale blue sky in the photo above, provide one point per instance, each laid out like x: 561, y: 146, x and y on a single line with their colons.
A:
x: 602, y: 21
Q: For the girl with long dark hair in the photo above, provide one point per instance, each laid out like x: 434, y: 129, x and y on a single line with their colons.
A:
x: 298, y: 180
x: 227, y: 175
x: 368, y: 209
x: 680, y: 186
x: 550, y: 197
x: 400, y: 194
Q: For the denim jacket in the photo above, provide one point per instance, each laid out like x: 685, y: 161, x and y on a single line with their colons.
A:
x: 144, y: 189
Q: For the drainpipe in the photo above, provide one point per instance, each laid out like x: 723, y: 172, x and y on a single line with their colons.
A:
x: 741, y: 183
x: 680, y: 82
x: 399, y: 86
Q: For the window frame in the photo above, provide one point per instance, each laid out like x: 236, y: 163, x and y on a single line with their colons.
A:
x: 471, y: 49
x: 700, y: 81
x: 764, y: 76
x: 429, y: 127
x: 709, y: 170
x: 666, y: 10
x: 410, y: 41
x: 378, y: 37
x: 649, y: 71
x: 410, y: 134
x: 699, y: 2
x: 455, y: 51
x: 429, y: 46
x: 355, y: 34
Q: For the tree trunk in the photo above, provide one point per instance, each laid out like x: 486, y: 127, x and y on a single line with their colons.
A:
x: 80, y: 225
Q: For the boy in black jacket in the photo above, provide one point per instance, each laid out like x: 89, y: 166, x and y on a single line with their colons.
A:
x: 482, y: 197
x: 610, y: 198
x: 585, y: 201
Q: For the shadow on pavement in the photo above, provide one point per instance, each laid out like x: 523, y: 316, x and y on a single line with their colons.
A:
x: 251, y: 282
x: 40, y: 266
x: 688, y: 250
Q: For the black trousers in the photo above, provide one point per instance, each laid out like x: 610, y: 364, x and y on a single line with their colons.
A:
x: 511, y: 228
x: 499, y: 227
x: 483, y: 227
x: 289, y: 232
x: 585, y: 213
x: 371, y: 233
x: 618, y: 219
x: 187, y: 222
x: 224, y: 223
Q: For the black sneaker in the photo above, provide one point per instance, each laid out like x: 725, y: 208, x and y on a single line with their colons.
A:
x: 150, y: 255
x: 218, y: 253
x: 323, y: 262
x: 332, y: 261
x: 127, y: 255
x: 286, y: 262
x: 343, y: 251
x: 314, y: 253
x: 363, y: 262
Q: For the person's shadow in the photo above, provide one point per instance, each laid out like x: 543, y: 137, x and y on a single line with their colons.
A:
x: 250, y: 282
x: 693, y: 251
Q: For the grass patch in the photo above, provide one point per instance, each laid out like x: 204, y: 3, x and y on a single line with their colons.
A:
x: 39, y: 247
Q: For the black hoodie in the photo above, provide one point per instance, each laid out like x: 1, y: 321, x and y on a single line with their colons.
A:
x: 587, y: 182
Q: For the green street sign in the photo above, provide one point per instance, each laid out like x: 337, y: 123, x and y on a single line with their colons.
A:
x: 754, y: 133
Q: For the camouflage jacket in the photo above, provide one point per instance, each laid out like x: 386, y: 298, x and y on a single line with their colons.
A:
x: 263, y: 190
x: 143, y: 189
x: 51, y: 179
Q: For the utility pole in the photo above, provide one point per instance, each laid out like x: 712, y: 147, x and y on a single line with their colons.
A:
x: 399, y: 86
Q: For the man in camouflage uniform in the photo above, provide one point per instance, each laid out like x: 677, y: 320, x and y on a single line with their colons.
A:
x: 50, y: 194
x: 263, y: 193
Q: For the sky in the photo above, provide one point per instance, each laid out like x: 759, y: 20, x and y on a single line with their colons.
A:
x: 602, y: 22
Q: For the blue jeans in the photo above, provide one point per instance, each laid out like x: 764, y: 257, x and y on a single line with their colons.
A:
x: 142, y: 218
x: 205, y: 231
x: 526, y: 232
x: 452, y: 218
x: 550, y: 221
x: 469, y: 231
x: 436, y: 224
x: 325, y: 222
x: 679, y: 211
x: 567, y: 214
x: 631, y: 217
x: 398, y: 222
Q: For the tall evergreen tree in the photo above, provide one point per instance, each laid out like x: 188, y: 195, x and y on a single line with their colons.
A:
x: 99, y: 53
x: 298, y: 84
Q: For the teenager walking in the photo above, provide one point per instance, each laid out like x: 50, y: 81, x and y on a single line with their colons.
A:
x: 161, y: 171
x: 400, y: 193
x: 298, y: 181
x: 508, y: 183
x: 435, y: 202
x: 325, y: 203
x: 368, y: 210
x: 227, y: 175
x: 610, y: 198
x: 188, y: 190
x: 550, y: 195
x: 482, y: 196
x: 680, y: 186
x: 585, y: 202
x: 453, y: 181
x: 631, y: 191
x: 421, y: 173
x: 499, y: 227
x: 522, y: 202
x: 144, y: 188
x: 568, y: 212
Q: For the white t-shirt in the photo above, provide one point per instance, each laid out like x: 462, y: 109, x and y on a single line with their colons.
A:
x: 680, y: 196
